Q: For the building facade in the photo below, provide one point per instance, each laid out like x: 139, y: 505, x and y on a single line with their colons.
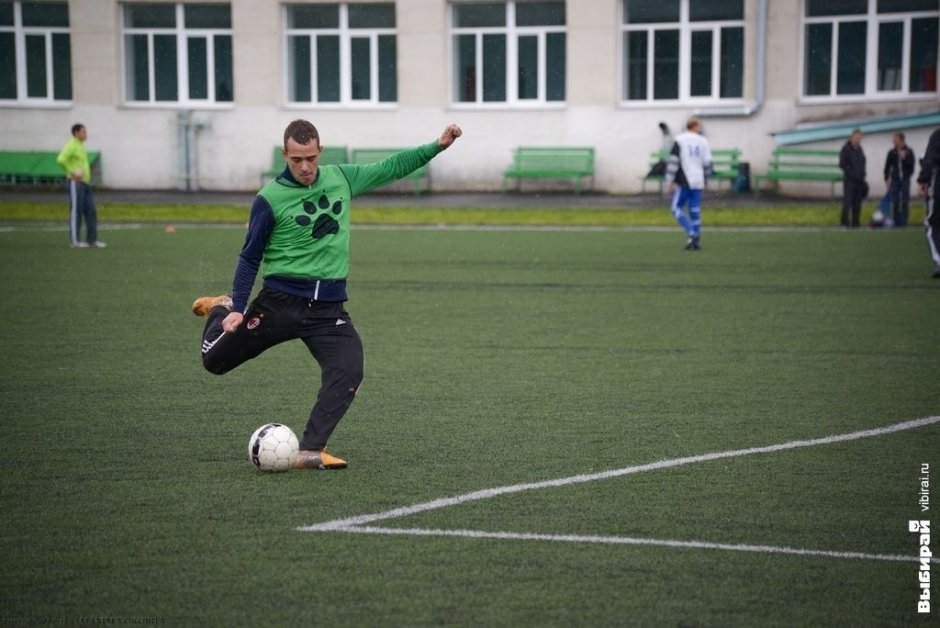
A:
x: 194, y: 95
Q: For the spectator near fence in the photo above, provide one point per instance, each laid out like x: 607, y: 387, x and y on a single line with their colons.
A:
x: 854, y: 186
x: 74, y: 159
x: 899, y: 166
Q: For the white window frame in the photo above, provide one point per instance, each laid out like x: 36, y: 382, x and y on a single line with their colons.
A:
x: 182, y: 35
x: 20, y: 32
x: 346, y: 35
x: 512, y: 33
x: 873, y: 19
x: 685, y: 27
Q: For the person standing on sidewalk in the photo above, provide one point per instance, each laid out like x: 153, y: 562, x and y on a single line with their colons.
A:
x: 74, y: 159
x: 899, y: 166
x: 854, y: 186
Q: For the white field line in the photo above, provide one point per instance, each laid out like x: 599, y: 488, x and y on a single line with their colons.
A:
x: 594, y: 228
x: 358, y: 524
x: 628, y: 540
x: 444, y: 227
x: 42, y: 228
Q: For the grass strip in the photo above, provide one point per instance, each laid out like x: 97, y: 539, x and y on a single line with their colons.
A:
x: 808, y: 215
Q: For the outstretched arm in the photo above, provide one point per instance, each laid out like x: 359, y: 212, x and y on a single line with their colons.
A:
x: 363, y: 178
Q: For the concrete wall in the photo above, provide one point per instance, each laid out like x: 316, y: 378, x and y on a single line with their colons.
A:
x: 140, y: 144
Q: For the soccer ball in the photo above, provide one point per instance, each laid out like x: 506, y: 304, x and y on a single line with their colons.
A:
x: 273, y: 448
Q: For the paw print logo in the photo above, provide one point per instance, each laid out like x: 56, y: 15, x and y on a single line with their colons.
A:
x: 325, y: 224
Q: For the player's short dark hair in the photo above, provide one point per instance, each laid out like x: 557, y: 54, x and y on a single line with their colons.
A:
x: 302, y: 132
x: 77, y: 127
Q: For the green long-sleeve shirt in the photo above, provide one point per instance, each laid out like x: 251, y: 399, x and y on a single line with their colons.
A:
x: 74, y: 158
x: 299, y: 234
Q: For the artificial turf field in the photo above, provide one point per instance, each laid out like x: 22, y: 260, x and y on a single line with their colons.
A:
x: 493, y: 359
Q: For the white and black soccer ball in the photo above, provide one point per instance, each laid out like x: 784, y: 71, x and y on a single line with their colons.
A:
x: 273, y: 448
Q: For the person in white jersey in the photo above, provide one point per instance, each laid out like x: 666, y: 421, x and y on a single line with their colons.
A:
x: 689, y: 165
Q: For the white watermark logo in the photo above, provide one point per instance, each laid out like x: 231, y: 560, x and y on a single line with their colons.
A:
x: 924, y: 498
x: 922, y: 529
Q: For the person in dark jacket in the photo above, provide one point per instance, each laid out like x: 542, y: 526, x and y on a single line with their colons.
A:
x: 854, y: 187
x: 927, y: 182
x: 899, y: 166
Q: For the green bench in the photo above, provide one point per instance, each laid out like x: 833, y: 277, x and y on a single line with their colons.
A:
x: 802, y: 164
x: 329, y: 155
x: 40, y: 168
x: 547, y: 162
x: 419, y: 180
x: 725, y: 165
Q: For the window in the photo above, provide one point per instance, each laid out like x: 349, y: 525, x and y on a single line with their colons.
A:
x: 683, y: 50
x: 508, y: 52
x: 341, y: 53
x: 860, y: 48
x: 35, y: 53
x: 178, y: 53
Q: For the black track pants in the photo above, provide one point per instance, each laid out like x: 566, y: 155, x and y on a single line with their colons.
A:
x: 853, y: 193
x: 274, y: 317
x: 932, y: 223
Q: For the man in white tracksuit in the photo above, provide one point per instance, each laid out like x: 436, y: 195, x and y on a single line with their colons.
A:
x: 689, y: 165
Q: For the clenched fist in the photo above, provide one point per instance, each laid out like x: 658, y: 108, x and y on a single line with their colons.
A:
x: 451, y: 133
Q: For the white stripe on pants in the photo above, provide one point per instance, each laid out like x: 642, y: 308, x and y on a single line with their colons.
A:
x: 75, y: 219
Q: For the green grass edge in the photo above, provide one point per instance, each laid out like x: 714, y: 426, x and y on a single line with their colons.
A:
x: 804, y: 215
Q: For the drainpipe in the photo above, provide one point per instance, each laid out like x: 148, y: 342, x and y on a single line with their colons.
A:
x: 182, y: 150
x: 187, y: 155
x: 760, y: 80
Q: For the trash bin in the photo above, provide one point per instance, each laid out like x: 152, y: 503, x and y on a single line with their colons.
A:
x: 743, y: 182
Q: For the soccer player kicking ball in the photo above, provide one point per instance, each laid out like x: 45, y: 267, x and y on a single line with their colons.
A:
x: 689, y: 164
x: 298, y: 236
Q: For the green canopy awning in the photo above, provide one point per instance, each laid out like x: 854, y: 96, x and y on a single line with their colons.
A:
x: 806, y: 134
